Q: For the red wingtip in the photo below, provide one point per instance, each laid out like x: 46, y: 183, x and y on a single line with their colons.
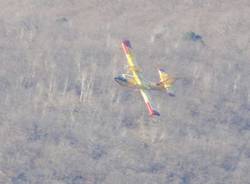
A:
x: 127, y: 43
x: 152, y: 112
x: 155, y: 113
x: 125, y: 46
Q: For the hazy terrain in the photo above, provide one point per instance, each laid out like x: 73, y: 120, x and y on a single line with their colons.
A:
x: 63, y: 119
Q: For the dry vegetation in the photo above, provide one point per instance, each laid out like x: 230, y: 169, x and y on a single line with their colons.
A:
x: 63, y: 119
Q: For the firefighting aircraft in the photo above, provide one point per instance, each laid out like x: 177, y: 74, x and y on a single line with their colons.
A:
x: 133, y: 79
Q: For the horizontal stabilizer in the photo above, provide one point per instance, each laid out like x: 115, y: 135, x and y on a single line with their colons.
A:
x: 171, y: 91
x: 163, y: 75
x: 160, y: 69
x: 166, y: 81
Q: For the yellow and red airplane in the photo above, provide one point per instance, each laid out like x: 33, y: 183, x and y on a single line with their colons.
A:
x: 134, y: 79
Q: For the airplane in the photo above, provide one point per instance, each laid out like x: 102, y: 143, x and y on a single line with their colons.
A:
x: 133, y: 79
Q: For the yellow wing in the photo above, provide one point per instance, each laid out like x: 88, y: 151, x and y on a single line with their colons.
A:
x: 132, y: 66
x: 133, y: 69
x: 148, y: 103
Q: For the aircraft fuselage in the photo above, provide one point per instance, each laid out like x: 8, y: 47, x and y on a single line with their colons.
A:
x: 128, y: 81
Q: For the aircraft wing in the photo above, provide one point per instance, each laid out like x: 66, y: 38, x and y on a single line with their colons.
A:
x: 133, y: 68
x: 148, y: 103
x: 127, y: 49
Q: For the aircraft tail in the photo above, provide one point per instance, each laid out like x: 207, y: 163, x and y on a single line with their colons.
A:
x: 163, y: 75
x: 166, y: 81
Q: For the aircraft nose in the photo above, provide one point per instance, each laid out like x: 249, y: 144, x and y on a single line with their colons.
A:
x: 120, y: 79
x: 116, y: 79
